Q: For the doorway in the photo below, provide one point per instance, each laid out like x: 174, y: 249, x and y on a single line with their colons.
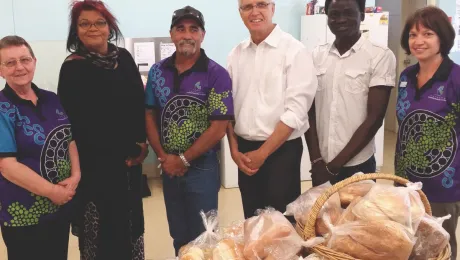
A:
x: 399, y: 12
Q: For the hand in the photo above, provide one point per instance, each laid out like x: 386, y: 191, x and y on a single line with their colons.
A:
x: 320, y: 175
x: 140, y: 159
x: 257, y: 159
x: 70, y: 183
x: 173, y: 165
x: 241, y: 161
x: 60, y: 195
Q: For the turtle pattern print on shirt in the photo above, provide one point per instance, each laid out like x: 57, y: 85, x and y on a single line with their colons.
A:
x: 185, y: 118
x: 428, y: 143
x: 55, y: 167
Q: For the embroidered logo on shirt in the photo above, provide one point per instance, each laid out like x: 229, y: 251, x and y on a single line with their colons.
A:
x: 198, y: 86
x: 197, y: 90
x: 439, y: 95
x: 61, y: 115
x: 440, y: 90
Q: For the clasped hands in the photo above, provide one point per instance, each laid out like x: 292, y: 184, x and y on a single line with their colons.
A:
x: 172, y: 165
x: 322, y: 172
x: 64, y: 191
x: 249, y: 162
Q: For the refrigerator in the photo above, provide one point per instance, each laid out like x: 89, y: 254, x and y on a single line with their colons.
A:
x: 315, y: 31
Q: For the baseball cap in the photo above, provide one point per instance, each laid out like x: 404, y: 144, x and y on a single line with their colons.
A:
x: 190, y: 13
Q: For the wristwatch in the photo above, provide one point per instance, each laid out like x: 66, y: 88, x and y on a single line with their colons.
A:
x: 184, y: 160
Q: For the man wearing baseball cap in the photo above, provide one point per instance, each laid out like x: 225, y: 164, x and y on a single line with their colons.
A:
x: 188, y: 107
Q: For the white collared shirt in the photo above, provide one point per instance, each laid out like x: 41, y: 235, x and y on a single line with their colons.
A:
x: 272, y: 82
x: 343, y: 88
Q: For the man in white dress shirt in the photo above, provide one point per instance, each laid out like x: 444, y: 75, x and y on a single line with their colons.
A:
x: 274, y: 84
x: 355, y: 78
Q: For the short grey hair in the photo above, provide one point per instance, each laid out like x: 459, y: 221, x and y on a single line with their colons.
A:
x: 14, y: 40
x: 239, y: 2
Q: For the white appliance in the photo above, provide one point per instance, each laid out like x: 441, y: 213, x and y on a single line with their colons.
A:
x: 315, y: 31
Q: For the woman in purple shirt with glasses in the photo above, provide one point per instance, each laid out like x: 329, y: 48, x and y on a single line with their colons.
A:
x: 39, y: 164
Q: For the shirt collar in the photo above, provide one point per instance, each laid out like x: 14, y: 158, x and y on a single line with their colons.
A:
x: 442, y: 74
x: 356, y: 47
x: 273, y: 38
x: 201, y: 65
x: 11, y: 94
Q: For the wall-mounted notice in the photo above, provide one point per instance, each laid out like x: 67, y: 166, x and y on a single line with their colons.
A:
x: 166, y: 49
x: 144, y: 52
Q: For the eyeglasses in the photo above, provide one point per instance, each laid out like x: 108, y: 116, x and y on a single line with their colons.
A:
x: 85, y: 25
x: 13, y: 63
x: 259, y: 5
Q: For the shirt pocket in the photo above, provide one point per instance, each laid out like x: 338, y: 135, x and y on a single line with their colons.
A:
x: 356, y: 81
x: 321, y: 76
x: 273, y: 86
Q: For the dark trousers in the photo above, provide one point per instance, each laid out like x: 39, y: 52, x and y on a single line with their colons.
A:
x: 48, y: 241
x: 369, y: 166
x: 277, y: 183
x: 186, y: 196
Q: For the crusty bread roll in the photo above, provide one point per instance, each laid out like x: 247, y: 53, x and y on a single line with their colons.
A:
x: 432, y: 239
x: 193, y: 253
x: 373, y: 240
x: 256, y: 248
x: 236, y: 230
x: 302, y: 206
x: 347, y: 215
x: 322, y: 226
x: 228, y: 249
x: 331, y: 209
x: 184, y: 249
x: 269, y: 231
x: 313, y: 257
x: 385, y: 202
x: 350, y: 192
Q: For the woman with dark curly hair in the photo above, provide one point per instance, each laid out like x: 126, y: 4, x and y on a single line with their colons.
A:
x: 101, y: 90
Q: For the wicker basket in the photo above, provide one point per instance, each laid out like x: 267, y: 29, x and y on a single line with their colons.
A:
x: 308, y: 231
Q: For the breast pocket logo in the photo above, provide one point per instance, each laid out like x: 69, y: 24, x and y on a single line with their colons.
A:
x: 439, y: 94
x: 61, y: 115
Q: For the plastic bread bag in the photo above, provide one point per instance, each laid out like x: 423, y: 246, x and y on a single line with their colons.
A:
x: 432, y: 238
x: 232, y: 244
x: 278, y: 252
x: 313, y: 257
x: 358, y: 189
x: 302, y: 206
x: 228, y: 249
x: 399, y: 204
x: 234, y: 231
x: 201, y: 248
x: 348, y: 215
x: 372, y: 240
x: 269, y: 235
